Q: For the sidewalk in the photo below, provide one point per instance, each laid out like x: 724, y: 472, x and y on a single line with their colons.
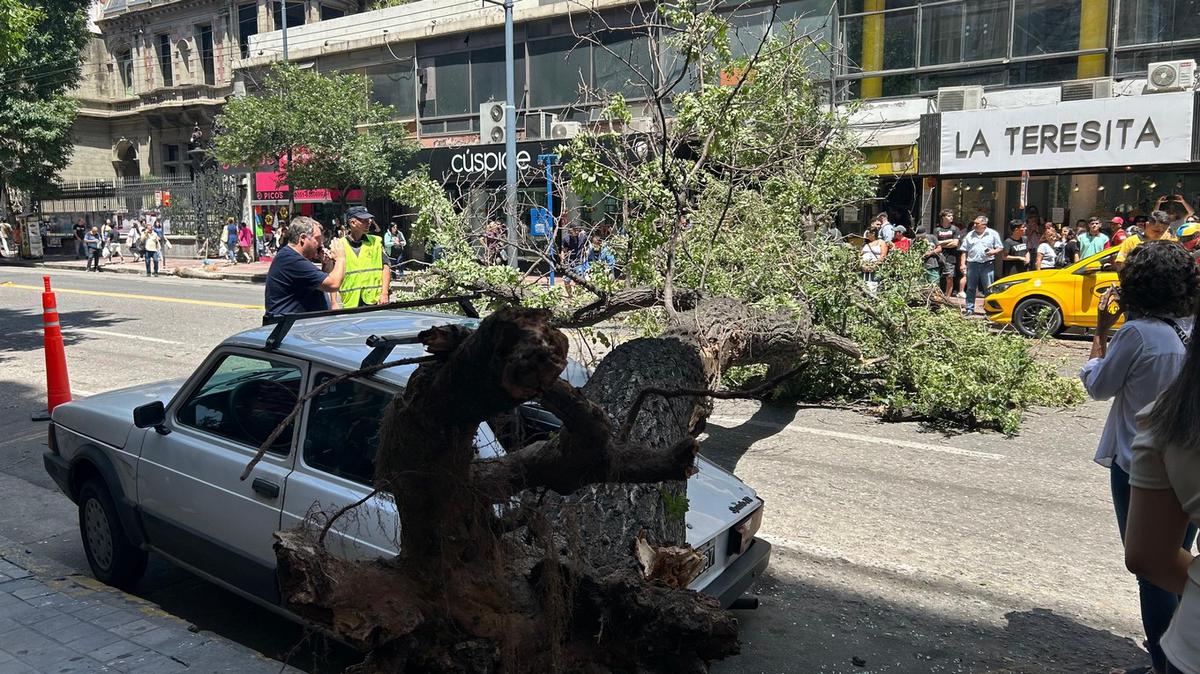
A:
x: 247, y: 272
x: 55, y: 620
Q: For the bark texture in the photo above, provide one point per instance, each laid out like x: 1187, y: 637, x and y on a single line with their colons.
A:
x: 483, y: 585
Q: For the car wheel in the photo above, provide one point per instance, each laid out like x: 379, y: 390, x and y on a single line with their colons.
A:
x: 114, y: 560
x: 1036, y: 316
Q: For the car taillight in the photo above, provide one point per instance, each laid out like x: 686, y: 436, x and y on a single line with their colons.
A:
x: 742, y: 535
x: 51, y: 438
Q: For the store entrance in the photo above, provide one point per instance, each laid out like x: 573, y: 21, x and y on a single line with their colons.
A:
x: 1038, y: 197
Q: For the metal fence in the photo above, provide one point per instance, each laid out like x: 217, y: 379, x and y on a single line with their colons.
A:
x: 191, y: 204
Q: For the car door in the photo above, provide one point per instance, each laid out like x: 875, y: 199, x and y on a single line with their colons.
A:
x: 1092, y: 281
x: 336, y: 467
x: 194, y: 506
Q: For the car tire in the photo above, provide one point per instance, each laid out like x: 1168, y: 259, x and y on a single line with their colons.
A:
x: 114, y: 560
x: 1025, y: 317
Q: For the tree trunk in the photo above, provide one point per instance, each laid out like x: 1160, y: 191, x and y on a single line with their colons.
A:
x: 567, y: 554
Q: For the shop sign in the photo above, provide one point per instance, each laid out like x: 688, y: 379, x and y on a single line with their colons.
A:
x: 1151, y: 129
x: 484, y: 163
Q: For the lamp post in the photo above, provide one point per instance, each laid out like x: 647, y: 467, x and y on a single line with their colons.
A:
x: 549, y: 160
x: 510, y: 134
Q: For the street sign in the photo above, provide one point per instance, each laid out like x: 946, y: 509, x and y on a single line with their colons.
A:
x: 540, y: 222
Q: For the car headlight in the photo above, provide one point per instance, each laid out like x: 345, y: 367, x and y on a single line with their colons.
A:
x: 1001, y: 286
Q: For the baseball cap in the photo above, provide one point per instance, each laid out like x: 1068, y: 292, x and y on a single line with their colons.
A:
x: 1118, y: 220
x: 359, y: 213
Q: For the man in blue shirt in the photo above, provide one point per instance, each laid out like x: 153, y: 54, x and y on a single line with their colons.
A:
x: 979, y: 247
x: 294, y: 284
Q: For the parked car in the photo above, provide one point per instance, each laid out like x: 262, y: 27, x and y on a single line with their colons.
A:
x: 156, y: 468
x: 1050, y: 301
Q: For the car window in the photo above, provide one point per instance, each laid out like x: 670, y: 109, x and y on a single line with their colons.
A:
x: 1101, y: 262
x: 243, y: 399
x: 342, y: 434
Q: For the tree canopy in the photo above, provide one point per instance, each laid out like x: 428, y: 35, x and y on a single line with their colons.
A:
x: 337, y: 136
x: 40, y: 64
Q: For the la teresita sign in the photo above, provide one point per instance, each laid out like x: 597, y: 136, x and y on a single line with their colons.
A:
x: 1150, y: 129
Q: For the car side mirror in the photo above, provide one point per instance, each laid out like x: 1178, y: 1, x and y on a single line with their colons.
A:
x: 151, y: 415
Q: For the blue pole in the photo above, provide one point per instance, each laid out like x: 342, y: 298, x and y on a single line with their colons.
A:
x: 548, y: 161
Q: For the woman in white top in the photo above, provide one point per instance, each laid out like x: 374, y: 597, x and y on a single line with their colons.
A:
x: 1159, y: 284
x: 873, y: 253
x: 1047, y: 254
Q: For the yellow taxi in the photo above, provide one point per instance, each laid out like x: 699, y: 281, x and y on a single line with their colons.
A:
x: 1051, y: 300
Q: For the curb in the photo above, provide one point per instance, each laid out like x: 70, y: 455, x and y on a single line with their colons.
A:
x: 57, y: 619
x: 61, y: 266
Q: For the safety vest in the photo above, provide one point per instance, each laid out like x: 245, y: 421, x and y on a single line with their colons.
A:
x: 364, y: 273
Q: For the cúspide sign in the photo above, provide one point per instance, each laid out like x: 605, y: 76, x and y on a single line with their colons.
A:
x: 485, y: 163
x: 1152, y: 129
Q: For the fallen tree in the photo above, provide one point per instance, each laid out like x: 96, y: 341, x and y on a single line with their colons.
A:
x: 546, y: 583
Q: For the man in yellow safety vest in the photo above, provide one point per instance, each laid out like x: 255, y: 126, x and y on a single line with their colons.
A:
x: 368, y: 276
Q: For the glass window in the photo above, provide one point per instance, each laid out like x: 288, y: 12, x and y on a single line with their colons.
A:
x: 328, y: 13
x: 447, y: 89
x: 964, y: 31
x: 342, y: 434
x: 1143, y: 21
x: 880, y: 41
x: 623, y: 64
x: 295, y: 14
x: 164, y: 60
x: 394, y: 84
x: 1135, y: 62
x: 557, y: 68
x: 170, y: 152
x: 125, y: 69
x: 875, y: 87
x: 488, y: 77
x: 857, y: 6
x: 1045, y: 27
x: 243, y: 400
x: 960, y: 78
x: 207, y: 60
x: 1038, y: 72
x: 247, y: 26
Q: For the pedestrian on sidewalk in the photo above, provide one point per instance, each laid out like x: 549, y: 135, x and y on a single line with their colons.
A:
x: 1158, y: 285
x: 150, y: 246
x: 980, y: 247
x: 1070, y: 248
x: 947, y: 236
x: 394, y: 243
x: 1047, y: 254
x: 900, y: 240
x: 368, y: 276
x: 95, y: 246
x: 112, y: 242
x: 164, y: 243
x: 874, y: 251
x: 245, y: 242
x: 80, y: 232
x: 1016, y: 250
x: 294, y: 284
x: 133, y: 239
x: 1164, y: 500
x: 230, y: 240
x: 1093, y: 240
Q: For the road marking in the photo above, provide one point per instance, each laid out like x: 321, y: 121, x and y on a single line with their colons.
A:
x: 23, y: 438
x: 867, y: 439
x: 134, y: 296
x: 106, y: 333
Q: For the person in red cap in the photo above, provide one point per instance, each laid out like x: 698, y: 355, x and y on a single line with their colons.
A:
x: 1118, y: 235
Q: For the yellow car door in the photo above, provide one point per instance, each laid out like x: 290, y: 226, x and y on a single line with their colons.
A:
x: 1093, y: 277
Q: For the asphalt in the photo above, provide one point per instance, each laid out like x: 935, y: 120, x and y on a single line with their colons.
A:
x: 896, y: 549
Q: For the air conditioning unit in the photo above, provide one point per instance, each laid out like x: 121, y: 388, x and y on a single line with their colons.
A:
x: 641, y: 125
x: 1085, y: 90
x: 539, y: 124
x: 951, y: 99
x: 1171, y: 76
x: 491, y: 122
x: 563, y: 130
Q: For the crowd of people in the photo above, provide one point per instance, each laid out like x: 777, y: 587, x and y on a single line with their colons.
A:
x: 965, y: 261
x: 146, y: 240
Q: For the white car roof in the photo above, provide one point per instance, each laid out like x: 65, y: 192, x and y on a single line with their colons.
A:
x: 341, y: 341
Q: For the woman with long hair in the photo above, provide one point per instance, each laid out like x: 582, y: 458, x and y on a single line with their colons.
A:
x: 874, y: 251
x: 1159, y: 285
x: 1047, y: 253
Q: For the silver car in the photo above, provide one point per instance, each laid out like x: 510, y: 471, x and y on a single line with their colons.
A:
x: 157, y: 467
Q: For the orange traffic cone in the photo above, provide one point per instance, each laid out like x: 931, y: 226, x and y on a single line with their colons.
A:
x: 58, y: 385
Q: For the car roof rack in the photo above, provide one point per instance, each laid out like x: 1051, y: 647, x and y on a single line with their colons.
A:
x: 381, y: 348
x: 283, y: 324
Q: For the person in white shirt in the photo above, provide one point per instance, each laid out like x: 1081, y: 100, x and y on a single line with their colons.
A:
x: 1158, y: 285
x: 979, y: 247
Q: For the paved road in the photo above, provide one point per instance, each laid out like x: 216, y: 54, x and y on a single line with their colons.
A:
x: 909, y: 550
